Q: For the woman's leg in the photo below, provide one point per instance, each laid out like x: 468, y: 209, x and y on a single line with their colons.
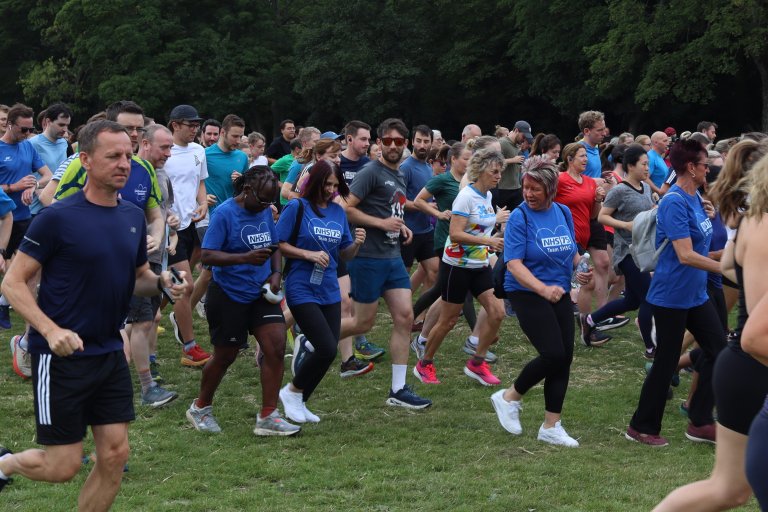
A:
x: 322, y: 329
x: 271, y: 339
x: 213, y: 372
x: 757, y: 457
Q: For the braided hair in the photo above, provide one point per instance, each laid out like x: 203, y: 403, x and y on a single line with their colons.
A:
x: 257, y: 177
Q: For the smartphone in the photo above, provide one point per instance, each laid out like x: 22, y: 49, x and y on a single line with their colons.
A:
x: 175, y: 279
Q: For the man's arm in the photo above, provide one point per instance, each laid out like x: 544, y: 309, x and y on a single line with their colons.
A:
x: 148, y: 283
x: 357, y: 217
x: 45, y: 176
x: 202, y: 202
x: 62, y: 342
x: 155, y: 228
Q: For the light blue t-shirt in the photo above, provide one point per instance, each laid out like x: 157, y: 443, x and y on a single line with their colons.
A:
x: 675, y: 285
x: 235, y: 230
x: 293, y: 172
x: 53, y: 154
x: 545, y: 242
x: 416, y: 176
x: 221, y: 165
x: 16, y: 162
x: 328, y: 233
x: 594, y: 166
x: 657, y: 168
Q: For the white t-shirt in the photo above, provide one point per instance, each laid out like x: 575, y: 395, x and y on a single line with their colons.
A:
x: 481, y: 219
x: 261, y: 160
x: 186, y: 168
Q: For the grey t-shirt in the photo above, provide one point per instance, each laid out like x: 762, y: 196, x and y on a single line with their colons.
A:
x: 627, y: 202
x: 510, y: 174
x: 382, y: 194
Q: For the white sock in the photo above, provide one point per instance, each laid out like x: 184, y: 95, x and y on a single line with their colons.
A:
x: 398, y: 376
x: 4, y: 301
x: 474, y: 340
x: 23, y: 343
x: 3, y: 475
x: 422, y: 340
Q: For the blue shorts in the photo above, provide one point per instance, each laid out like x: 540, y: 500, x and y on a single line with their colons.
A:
x: 371, y: 277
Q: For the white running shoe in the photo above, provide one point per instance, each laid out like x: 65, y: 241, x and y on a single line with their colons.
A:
x: 293, y: 405
x: 508, y: 413
x: 557, y: 436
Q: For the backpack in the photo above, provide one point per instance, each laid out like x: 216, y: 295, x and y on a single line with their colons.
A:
x: 643, y: 246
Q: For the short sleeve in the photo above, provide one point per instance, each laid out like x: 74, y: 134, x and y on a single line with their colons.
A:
x: 614, y: 198
x: 42, y: 239
x: 141, y: 255
x: 37, y: 160
x: 514, y: 236
x: 673, y: 217
x: 71, y: 181
x: 216, y: 235
x: 434, y: 185
x: 287, y: 220
x: 363, y: 182
x: 6, y: 203
x: 293, y: 172
x: 462, y: 205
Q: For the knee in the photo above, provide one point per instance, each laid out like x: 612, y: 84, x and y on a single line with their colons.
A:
x: 557, y: 362
x: 346, y: 306
x: 273, y: 348
x: 496, y: 312
x: 66, y: 470
x: 115, y: 457
x: 365, y: 324
x: 223, y: 357
x: 402, y: 316
x: 732, y: 496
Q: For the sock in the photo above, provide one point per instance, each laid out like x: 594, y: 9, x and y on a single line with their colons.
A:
x: 422, y: 340
x: 189, y: 345
x: 23, y: 343
x: 4, y: 301
x: 152, y: 358
x: 3, y: 476
x: 473, y: 340
x: 425, y: 362
x: 398, y: 376
x: 145, y: 378
x: 360, y: 338
x: 266, y: 411
x: 477, y: 361
x: 590, y: 322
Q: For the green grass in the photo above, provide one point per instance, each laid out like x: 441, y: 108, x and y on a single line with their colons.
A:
x: 367, y: 456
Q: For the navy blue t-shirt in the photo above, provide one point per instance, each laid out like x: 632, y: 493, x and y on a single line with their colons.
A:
x: 546, y: 243
x: 16, y: 162
x: 350, y: 167
x: 235, y: 230
x: 719, y: 238
x: 675, y: 285
x: 417, y: 174
x: 89, y: 254
x: 328, y: 233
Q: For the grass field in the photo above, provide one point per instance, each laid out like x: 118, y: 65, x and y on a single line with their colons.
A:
x: 367, y: 456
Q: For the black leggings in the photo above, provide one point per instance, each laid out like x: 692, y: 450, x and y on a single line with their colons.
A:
x: 704, y: 323
x: 757, y: 457
x: 635, y: 290
x: 429, y: 297
x: 321, y: 325
x: 550, y: 329
x: 741, y: 384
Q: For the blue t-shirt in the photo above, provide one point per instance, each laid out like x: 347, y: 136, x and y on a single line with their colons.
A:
x: 52, y: 153
x: 594, y: 166
x: 235, y: 230
x: 221, y: 165
x: 417, y: 175
x: 16, y: 162
x: 350, y: 167
x: 546, y: 243
x: 657, y: 168
x: 719, y: 238
x: 328, y: 233
x: 293, y: 172
x: 89, y: 254
x: 6, y: 204
x: 675, y: 285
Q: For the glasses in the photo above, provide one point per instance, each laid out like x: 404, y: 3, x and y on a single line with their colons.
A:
x: 265, y: 204
x: 137, y: 129
x: 24, y: 129
x: 387, y: 141
x: 441, y: 163
x: 646, y: 144
x: 196, y: 126
x: 705, y: 164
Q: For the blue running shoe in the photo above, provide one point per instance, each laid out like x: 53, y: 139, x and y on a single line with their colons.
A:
x: 408, y: 399
x: 5, y: 317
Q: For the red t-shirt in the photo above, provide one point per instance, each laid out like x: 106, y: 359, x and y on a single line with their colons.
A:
x: 579, y: 198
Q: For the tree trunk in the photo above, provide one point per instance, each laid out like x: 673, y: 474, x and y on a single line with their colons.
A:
x: 761, y: 63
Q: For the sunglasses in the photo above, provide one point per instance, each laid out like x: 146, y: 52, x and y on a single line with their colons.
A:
x: 25, y: 129
x: 387, y: 141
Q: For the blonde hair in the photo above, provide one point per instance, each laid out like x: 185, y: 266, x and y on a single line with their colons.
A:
x: 482, y: 161
x: 731, y: 188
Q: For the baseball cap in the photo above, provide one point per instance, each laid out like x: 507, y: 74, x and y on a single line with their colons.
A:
x: 185, y: 113
x: 330, y: 135
x: 671, y: 132
x: 524, y: 128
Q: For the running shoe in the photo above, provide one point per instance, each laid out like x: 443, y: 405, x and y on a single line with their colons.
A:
x: 426, y: 373
x: 589, y: 335
x: 176, y: 330
x: 471, y: 349
x: 613, y: 322
x: 157, y: 396
x: 481, y: 373
x: 301, y: 349
x: 200, y: 309
x: 684, y: 408
x: 407, y: 398
x: 418, y: 348
x: 556, y: 435
x: 154, y: 370
x: 5, y: 317
x: 353, y: 367
x: 702, y: 434
x: 508, y: 412
x: 366, y: 350
x: 293, y: 404
x: 160, y: 329
x: 275, y: 425
x: 310, y: 416
x: 22, y: 360
x: 194, y: 356
x: 508, y: 309
x: 202, y: 419
x: 4, y: 481
x: 649, y: 439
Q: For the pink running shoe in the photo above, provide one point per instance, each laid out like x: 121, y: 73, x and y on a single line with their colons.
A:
x: 481, y: 373
x: 426, y: 373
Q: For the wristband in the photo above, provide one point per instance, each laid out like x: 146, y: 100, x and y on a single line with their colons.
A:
x: 159, y: 283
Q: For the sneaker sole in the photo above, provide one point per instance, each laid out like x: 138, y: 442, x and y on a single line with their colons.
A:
x: 175, y: 326
x: 394, y: 402
x: 16, y: 368
x: 699, y: 439
x: 557, y: 443
x: 489, y: 360
x: 499, y: 414
x: 194, y: 424
x: 630, y: 438
x: 369, y: 357
x: 157, y: 405
x: 472, y: 375
x: 612, y: 326
x: 193, y: 364
x: 356, y: 373
x: 418, y: 376
x: 265, y: 432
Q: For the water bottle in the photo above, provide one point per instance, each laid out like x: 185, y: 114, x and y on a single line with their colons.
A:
x: 582, y: 266
x: 317, y: 274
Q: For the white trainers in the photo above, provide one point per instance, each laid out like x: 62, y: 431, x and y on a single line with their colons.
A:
x: 310, y: 416
x: 508, y: 412
x: 293, y: 405
x: 557, y: 436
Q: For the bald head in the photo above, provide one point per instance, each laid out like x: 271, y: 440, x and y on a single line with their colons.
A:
x: 659, y: 142
x: 470, y: 131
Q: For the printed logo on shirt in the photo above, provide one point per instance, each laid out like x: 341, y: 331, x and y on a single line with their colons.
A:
x: 256, y: 237
x: 8, y: 158
x: 325, y: 234
x: 140, y: 192
x: 706, y: 226
x: 197, y: 160
x: 556, y: 245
